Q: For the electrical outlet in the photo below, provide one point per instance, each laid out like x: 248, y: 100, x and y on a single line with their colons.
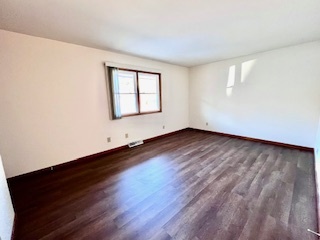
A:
x: 207, y: 124
x: 163, y: 127
x: 127, y: 135
x: 109, y: 139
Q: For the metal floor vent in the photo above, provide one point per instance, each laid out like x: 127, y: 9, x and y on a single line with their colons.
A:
x: 135, y: 143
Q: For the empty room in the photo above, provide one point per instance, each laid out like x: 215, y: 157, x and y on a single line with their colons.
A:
x: 153, y: 120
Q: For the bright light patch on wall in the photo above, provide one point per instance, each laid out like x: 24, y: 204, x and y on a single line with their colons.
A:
x: 231, y: 80
x: 232, y: 76
x: 246, y: 68
x: 229, y: 91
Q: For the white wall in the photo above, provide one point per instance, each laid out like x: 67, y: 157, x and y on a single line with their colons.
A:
x: 317, y: 167
x: 317, y: 144
x: 317, y: 155
x: 6, y: 208
x: 54, y: 106
x: 275, y: 95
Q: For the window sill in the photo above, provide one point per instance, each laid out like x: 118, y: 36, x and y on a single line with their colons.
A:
x: 138, y: 114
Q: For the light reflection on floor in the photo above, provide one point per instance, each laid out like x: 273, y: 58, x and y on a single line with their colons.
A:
x: 144, y: 187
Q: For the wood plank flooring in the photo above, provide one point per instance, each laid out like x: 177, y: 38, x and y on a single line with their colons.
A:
x: 192, y: 185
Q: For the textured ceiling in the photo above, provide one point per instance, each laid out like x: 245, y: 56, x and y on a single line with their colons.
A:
x: 186, y: 33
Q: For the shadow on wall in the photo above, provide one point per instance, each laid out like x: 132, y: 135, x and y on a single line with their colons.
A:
x: 243, y: 69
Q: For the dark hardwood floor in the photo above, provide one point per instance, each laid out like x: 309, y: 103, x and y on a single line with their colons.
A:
x: 191, y: 185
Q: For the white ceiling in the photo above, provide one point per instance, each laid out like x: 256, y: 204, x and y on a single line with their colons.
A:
x: 183, y: 32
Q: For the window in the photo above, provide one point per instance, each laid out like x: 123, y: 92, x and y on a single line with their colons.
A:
x: 134, y: 92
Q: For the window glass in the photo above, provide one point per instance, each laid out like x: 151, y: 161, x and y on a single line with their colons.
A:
x: 149, y: 103
x: 128, y: 104
x: 148, y: 83
x: 127, y: 82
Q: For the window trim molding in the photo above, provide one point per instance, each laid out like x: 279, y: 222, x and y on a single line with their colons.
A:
x: 133, y: 67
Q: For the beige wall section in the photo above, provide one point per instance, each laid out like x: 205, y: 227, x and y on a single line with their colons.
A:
x: 272, y: 95
x: 6, y: 208
x: 317, y: 144
x: 317, y: 169
x: 54, y: 105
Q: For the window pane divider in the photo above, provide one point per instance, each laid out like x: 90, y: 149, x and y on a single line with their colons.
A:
x: 138, y: 92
